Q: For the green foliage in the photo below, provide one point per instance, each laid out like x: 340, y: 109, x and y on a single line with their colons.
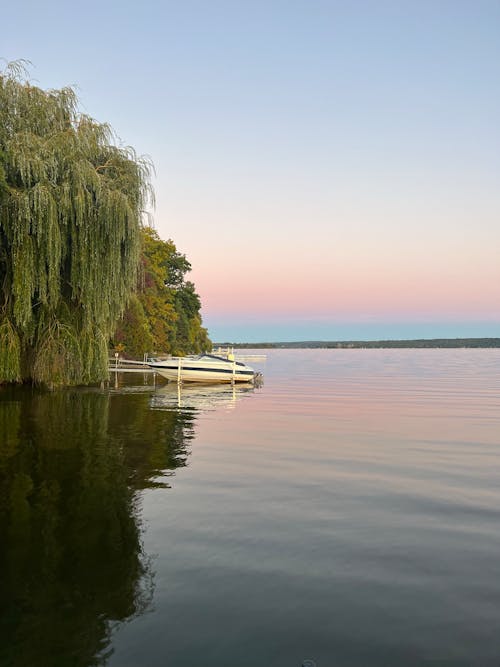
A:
x: 70, y: 216
x: 170, y: 320
x: 134, y: 331
x: 10, y: 352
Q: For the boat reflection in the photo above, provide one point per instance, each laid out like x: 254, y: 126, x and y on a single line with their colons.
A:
x: 199, y: 397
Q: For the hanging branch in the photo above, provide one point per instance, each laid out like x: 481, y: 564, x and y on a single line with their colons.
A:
x: 71, y: 204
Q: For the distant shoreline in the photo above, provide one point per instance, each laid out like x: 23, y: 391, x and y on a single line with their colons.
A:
x: 373, y: 344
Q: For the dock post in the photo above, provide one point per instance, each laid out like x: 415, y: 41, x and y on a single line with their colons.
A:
x: 231, y: 357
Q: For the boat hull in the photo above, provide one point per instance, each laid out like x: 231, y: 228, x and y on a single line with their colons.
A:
x: 204, y: 369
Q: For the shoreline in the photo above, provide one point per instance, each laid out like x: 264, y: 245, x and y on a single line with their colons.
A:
x: 417, y: 343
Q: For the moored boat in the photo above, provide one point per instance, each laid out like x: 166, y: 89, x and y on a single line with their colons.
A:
x: 203, y: 368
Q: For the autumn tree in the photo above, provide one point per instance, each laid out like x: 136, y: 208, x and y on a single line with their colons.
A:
x: 170, y: 319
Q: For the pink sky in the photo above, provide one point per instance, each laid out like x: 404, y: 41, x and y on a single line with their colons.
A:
x: 430, y: 278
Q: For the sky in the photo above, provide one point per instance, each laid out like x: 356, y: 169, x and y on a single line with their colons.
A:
x: 330, y: 168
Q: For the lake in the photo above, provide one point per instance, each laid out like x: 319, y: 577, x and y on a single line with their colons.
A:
x: 346, y: 512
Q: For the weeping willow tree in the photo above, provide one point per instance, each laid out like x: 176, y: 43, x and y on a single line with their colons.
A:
x: 71, y: 202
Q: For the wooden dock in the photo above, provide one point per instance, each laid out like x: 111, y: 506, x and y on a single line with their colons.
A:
x: 114, y: 369
x: 119, y: 365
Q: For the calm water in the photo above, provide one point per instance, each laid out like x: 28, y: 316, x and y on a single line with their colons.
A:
x: 347, y: 512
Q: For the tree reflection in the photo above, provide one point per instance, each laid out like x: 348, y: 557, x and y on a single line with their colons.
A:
x: 71, y: 561
x: 155, y: 441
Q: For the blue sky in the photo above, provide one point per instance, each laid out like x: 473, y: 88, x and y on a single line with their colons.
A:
x: 330, y: 169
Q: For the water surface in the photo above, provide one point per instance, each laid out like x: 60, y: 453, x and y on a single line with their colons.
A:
x: 348, y: 512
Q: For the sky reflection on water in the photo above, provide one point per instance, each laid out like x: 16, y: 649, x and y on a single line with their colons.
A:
x: 347, y: 511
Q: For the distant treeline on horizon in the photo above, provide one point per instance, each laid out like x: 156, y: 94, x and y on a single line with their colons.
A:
x: 362, y: 344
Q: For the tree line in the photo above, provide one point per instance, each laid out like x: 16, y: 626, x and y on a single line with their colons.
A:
x: 76, y: 265
x: 376, y: 344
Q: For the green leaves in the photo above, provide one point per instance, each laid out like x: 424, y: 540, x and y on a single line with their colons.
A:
x: 71, y: 204
x: 165, y: 315
x: 10, y: 352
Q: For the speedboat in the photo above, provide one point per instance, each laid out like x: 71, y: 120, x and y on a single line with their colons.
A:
x: 203, y: 368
